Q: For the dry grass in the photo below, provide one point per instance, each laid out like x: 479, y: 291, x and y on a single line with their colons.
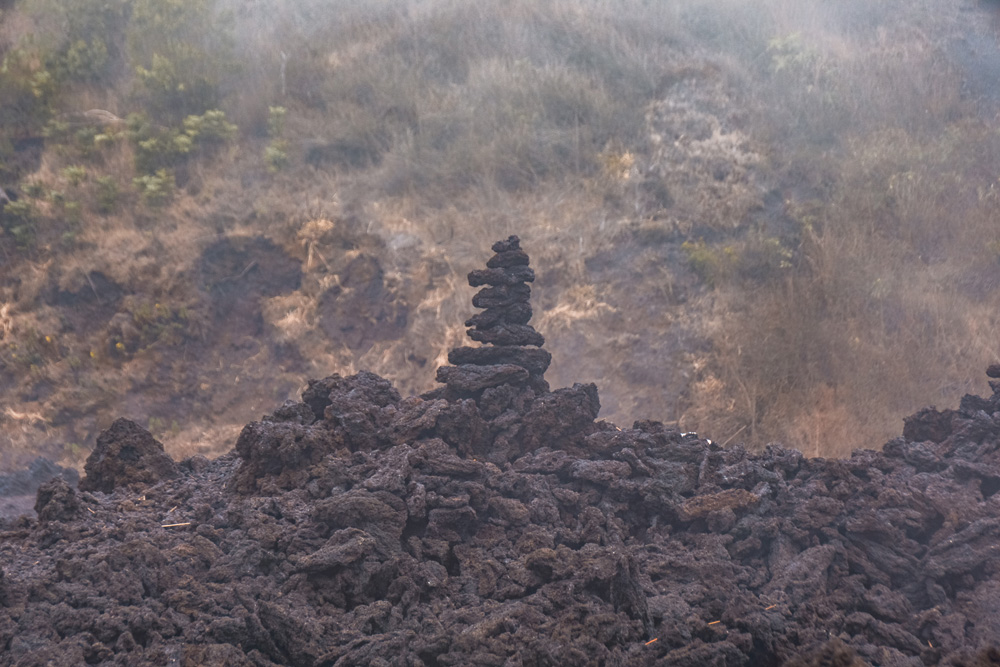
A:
x: 835, y: 185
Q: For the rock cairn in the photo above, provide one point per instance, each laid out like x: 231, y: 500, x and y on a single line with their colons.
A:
x: 511, y: 354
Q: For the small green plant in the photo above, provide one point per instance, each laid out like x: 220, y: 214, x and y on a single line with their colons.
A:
x: 84, y: 61
x: 84, y: 140
x: 75, y: 174
x: 160, y: 147
x: 155, y: 189
x: 710, y: 264
x: 210, y: 128
x: 72, y: 211
x: 56, y: 130
x: 18, y: 218
x: 158, y: 427
x: 26, y: 91
x: 276, y: 121
x: 34, y: 189
x: 276, y: 153
x: 107, y: 192
x: 763, y: 259
x: 158, y: 323
x: 103, y: 140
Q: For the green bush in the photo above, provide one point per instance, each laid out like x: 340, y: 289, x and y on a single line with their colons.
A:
x: 176, y: 76
x: 18, y: 218
x: 210, y: 128
x: 155, y: 189
x: 83, y: 60
x: 276, y: 121
x: 75, y: 174
x: 107, y: 194
x: 276, y: 155
x: 712, y: 265
x: 26, y: 92
x: 158, y: 147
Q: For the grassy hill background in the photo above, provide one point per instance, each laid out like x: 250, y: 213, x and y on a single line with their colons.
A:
x: 766, y: 221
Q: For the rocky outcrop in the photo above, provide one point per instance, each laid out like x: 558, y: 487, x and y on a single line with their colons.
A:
x: 503, y: 326
x: 126, y: 454
x: 501, y: 525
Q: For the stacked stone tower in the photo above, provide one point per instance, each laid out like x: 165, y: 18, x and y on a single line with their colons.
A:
x: 512, y: 353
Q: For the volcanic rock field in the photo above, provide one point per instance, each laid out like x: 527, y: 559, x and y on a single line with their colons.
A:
x: 494, y: 521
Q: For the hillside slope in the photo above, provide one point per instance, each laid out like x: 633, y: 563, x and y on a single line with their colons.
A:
x: 769, y: 221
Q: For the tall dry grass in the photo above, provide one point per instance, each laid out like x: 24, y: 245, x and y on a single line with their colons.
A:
x: 768, y: 220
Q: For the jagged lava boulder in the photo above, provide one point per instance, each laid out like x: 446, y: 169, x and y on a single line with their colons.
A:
x: 126, y: 454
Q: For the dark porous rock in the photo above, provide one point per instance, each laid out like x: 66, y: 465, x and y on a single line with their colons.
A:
x: 363, y: 388
x: 57, y: 501
x: 470, y: 379
x: 317, y: 394
x: 565, y: 415
x: 510, y: 244
x: 291, y: 411
x: 509, y: 258
x: 361, y: 410
x: 126, y: 454
x: 508, y: 276
x: 499, y: 297
x: 508, y: 334
x: 277, y: 455
x: 343, y: 548
x: 533, y: 360
x: 518, y: 313
x: 928, y: 424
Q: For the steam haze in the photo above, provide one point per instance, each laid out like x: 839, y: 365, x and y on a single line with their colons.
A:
x: 768, y: 221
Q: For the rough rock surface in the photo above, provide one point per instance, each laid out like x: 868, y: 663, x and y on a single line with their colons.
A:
x: 504, y: 526
x: 126, y: 454
x: 503, y: 325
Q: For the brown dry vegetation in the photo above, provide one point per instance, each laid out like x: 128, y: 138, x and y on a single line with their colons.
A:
x: 767, y: 221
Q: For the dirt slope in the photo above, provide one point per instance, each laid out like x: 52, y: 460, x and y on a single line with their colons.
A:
x: 495, y: 522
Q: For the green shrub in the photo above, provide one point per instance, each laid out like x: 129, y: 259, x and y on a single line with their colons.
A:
x: 762, y: 259
x: 84, y: 60
x: 75, y: 174
x: 158, y: 147
x: 276, y: 152
x: 176, y: 75
x: 712, y: 265
x: 18, y: 218
x: 276, y: 155
x: 210, y: 128
x: 155, y: 189
x: 26, y: 92
x: 276, y: 121
x: 107, y: 194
